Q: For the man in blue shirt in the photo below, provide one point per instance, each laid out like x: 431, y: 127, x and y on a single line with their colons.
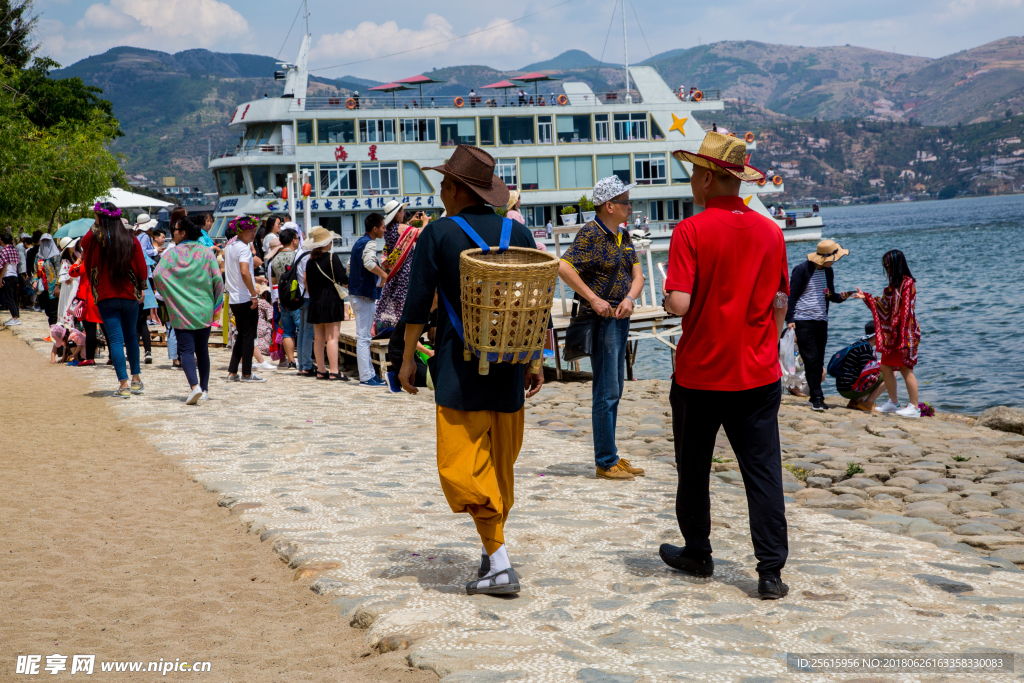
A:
x: 364, y: 269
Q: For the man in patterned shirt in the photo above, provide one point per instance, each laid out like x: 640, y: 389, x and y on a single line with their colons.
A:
x: 9, y: 271
x: 602, y: 268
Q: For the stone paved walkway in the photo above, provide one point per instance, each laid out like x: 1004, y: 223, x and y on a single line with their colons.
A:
x: 342, y: 481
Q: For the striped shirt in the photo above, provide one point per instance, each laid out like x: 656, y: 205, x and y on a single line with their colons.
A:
x: 811, y: 304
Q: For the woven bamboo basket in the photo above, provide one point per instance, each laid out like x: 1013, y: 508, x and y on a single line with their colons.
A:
x: 506, y: 305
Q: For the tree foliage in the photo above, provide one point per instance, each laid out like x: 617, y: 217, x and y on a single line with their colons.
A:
x: 17, y: 23
x: 46, y: 101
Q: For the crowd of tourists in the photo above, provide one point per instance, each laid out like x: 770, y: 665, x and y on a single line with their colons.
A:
x: 286, y: 293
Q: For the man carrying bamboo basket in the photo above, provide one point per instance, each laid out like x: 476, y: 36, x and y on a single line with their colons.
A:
x: 479, y: 418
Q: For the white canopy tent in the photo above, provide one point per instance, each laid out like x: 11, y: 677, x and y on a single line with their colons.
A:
x: 123, y: 199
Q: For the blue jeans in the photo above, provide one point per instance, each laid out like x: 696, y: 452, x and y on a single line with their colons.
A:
x: 172, y: 344
x: 363, y: 308
x: 195, y: 354
x: 290, y: 321
x: 305, y: 339
x: 609, y: 365
x: 119, y: 318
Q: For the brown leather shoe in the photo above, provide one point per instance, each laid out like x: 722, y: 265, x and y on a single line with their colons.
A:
x: 635, y: 471
x: 616, y: 471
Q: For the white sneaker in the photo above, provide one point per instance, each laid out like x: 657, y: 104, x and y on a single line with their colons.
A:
x: 205, y: 396
x: 13, y: 322
x: 909, y: 410
x: 265, y: 365
x: 194, y: 396
x: 254, y: 378
x: 889, y: 407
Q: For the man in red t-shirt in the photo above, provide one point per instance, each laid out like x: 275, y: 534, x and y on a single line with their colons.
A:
x: 727, y: 278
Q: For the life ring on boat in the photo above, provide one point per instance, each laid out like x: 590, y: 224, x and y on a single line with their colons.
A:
x: 749, y: 137
x: 732, y: 135
x: 459, y: 102
x: 350, y: 103
x: 563, y: 100
x: 761, y: 182
x: 697, y: 96
x: 777, y: 180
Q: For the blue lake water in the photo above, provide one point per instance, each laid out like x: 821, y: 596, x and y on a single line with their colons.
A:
x: 968, y: 258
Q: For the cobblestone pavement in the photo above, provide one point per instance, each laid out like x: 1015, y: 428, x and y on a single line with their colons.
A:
x: 342, y: 481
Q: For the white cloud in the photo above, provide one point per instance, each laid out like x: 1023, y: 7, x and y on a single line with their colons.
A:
x: 369, y: 40
x: 170, y: 25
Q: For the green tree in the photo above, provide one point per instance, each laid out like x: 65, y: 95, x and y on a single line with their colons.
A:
x: 17, y: 24
x: 47, y: 101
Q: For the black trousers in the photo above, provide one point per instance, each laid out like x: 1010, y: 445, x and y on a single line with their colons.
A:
x: 811, y: 337
x: 90, y: 339
x: 246, y: 319
x: 751, y: 422
x: 11, y: 285
x: 48, y: 304
x: 142, y: 331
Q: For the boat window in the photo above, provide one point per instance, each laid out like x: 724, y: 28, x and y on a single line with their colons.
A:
x: 312, y: 180
x: 506, y: 170
x: 544, y: 130
x: 217, y: 229
x: 260, y: 176
x: 380, y: 178
x: 575, y: 128
x: 656, y: 133
x: 487, y: 138
x: 279, y: 176
x: 630, y: 127
x: 239, y: 180
x: 538, y: 173
x: 649, y: 169
x: 575, y: 172
x: 419, y: 130
x: 258, y: 135
x: 413, y: 179
x: 601, y: 127
x: 458, y: 132
x: 225, y: 182
x: 515, y: 130
x: 377, y: 130
x: 656, y: 210
x: 335, y: 132
x: 679, y: 174
x: 614, y: 164
x: 304, y: 132
x: 338, y: 180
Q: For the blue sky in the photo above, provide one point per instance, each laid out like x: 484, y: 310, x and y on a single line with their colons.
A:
x: 346, y: 32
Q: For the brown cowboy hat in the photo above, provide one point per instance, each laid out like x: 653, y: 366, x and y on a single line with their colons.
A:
x: 722, y: 153
x: 828, y: 251
x: 475, y: 168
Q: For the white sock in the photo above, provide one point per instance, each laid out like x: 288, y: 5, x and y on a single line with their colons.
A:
x: 499, y: 562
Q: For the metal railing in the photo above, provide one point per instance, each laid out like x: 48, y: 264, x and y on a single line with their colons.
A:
x: 492, y: 100
x: 254, y: 150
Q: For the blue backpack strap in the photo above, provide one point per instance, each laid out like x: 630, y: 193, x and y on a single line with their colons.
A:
x: 506, y: 234
x: 461, y: 222
x: 456, y: 321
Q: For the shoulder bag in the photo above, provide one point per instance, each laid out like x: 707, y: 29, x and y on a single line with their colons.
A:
x: 579, y: 336
x: 342, y: 291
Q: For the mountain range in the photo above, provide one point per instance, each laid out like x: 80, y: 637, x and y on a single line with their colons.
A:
x: 173, y: 108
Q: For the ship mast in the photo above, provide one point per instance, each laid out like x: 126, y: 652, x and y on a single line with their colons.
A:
x: 625, y: 52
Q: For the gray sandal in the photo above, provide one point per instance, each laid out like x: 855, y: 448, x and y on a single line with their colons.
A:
x: 512, y: 587
x: 485, y: 566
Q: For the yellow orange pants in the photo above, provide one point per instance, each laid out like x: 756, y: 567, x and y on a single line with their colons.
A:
x: 476, y: 452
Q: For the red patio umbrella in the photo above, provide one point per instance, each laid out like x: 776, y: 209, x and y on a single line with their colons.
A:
x: 501, y: 85
x: 420, y: 81
x: 535, y: 78
x: 391, y: 88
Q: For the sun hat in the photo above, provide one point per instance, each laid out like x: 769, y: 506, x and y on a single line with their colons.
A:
x: 513, y: 197
x: 722, y: 153
x: 319, y: 237
x: 392, y: 208
x: 68, y: 242
x: 273, y: 246
x: 261, y: 290
x: 26, y: 236
x: 143, y: 223
x: 609, y: 188
x: 828, y: 251
x: 474, y: 168
x: 57, y: 332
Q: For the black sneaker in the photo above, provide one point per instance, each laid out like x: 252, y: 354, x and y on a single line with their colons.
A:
x: 673, y: 556
x: 816, y: 406
x: 770, y: 587
x: 292, y: 366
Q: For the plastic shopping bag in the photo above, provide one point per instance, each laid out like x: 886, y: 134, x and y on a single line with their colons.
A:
x: 787, y: 352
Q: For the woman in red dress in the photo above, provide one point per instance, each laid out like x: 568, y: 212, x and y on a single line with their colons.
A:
x: 897, y: 332
x: 91, y: 315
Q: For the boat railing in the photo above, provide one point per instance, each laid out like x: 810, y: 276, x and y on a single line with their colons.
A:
x: 705, y: 95
x: 254, y: 150
x: 479, y: 101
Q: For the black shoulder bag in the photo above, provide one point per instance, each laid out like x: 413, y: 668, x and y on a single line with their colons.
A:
x: 579, y: 336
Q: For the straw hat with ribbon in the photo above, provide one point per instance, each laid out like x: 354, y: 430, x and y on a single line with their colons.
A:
x: 319, y: 237
x: 723, y: 154
x: 513, y: 197
x: 474, y: 168
x: 273, y: 246
x: 392, y: 208
x: 828, y: 253
x: 143, y: 222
